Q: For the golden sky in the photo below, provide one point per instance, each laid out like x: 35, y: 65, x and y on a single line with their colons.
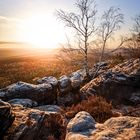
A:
x: 34, y: 21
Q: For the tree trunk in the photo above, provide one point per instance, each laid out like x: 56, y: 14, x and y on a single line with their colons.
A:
x: 100, y: 60
x: 86, y: 59
x: 102, y: 54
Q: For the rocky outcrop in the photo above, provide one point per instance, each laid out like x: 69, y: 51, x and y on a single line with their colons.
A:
x: 24, y: 102
x: 6, y: 117
x: 83, y: 127
x: 32, y: 124
x: 110, y: 83
x: 66, y: 87
x: 116, y: 82
x: 42, y: 93
x: 120, y: 84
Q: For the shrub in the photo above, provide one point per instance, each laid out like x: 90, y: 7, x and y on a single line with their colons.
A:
x: 54, y: 128
x: 98, y: 108
x: 116, y: 59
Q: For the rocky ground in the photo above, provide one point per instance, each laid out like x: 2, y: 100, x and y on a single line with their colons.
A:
x: 34, y: 112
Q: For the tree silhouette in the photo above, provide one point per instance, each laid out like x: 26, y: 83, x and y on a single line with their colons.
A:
x: 83, y: 22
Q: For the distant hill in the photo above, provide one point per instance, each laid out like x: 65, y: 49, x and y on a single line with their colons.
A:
x: 10, y: 42
x: 22, y: 49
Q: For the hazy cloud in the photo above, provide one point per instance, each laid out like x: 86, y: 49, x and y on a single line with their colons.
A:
x: 8, y: 27
x: 5, y: 20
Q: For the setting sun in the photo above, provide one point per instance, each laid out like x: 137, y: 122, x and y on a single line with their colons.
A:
x: 41, y: 31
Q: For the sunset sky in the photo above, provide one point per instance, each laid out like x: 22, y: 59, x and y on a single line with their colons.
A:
x: 34, y: 21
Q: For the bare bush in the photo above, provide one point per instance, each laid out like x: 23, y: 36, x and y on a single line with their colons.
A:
x: 98, y: 108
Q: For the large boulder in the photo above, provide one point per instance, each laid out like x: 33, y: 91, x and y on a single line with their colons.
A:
x: 24, y: 102
x: 6, y: 117
x: 76, y: 80
x: 64, y: 83
x: 42, y: 93
x: 33, y: 124
x: 82, y: 123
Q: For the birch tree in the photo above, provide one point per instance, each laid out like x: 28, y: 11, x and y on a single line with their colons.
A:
x: 83, y: 23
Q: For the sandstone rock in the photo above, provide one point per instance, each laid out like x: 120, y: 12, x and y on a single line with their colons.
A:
x: 24, y: 102
x: 42, y: 93
x: 113, y: 86
x: 64, y: 84
x: 128, y: 67
x: 32, y: 124
x: 76, y: 80
x: 48, y: 80
x: 118, y: 128
x: 82, y: 123
x: 69, y: 88
x: 6, y: 117
x: 50, y: 108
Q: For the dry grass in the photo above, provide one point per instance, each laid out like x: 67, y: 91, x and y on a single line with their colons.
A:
x: 116, y: 59
x: 98, y: 108
x: 29, y: 69
x: 56, y: 127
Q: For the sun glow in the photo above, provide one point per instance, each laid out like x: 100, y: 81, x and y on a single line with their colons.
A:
x: 42, y: 31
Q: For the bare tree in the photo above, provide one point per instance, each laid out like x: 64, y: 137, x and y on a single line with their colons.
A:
x: 133, y: 43
x: 136, y: 26
x: 110, y: 23
x: 83, y: 22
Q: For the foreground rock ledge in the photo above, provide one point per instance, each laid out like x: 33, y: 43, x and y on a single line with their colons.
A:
x: 33, y: 124
x: 119, y: 128
x: 6, y: 117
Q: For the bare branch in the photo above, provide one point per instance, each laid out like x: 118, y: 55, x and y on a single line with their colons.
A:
x: 83, y: 22
x: 111, y: 22
x: 136, y: 26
